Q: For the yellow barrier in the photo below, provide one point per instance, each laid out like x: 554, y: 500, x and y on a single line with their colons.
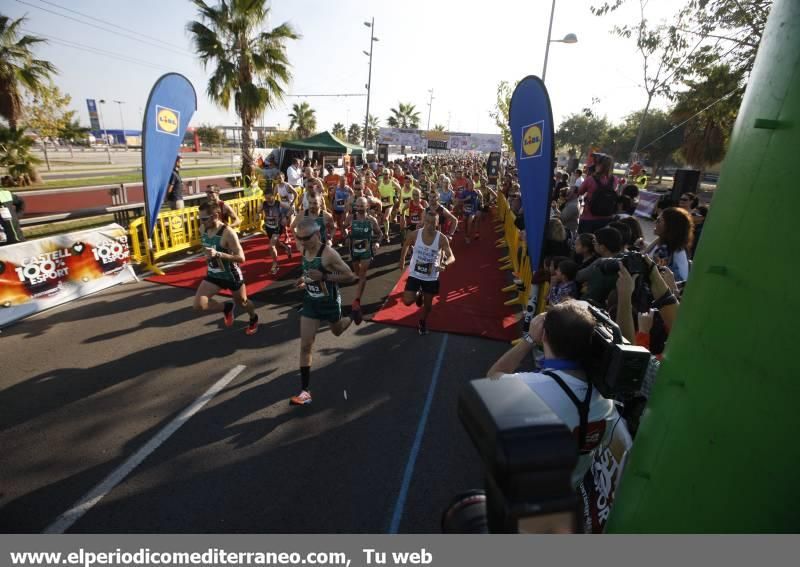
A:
x: 179, y: 230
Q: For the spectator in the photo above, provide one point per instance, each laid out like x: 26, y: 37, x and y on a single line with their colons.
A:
x: 675, y: 232
x: 624, y: 205
x: 577, y: 179
x: 584, y: 250
x: 637, y: 236
x: 562, y: 284
x: 599, y: 196
x: 625, y: 231
x: 175, y: 187
x: 565, y: 333
x: 699, y: 218
x: 688, y: 201
x: 600, y: 283
x: 555, y: 239
x: 294, y: 174
x: 571, y: 212
x: 12, y: 206
x: 664, y: 202
x: 271, y: 171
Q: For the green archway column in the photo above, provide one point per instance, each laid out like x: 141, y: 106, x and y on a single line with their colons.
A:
x: 719, y: 447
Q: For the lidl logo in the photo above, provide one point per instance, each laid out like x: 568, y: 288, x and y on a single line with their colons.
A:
x: 532, y: 140
x: 168, y: 121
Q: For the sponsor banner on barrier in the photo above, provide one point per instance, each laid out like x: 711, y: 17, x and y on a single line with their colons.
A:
x: 647, y: 203
x: 39, y: 274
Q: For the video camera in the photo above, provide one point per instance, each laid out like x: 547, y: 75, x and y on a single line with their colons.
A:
x: 528, y: 452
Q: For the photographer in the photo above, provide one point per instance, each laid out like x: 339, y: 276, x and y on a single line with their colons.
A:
x: 566, y: 334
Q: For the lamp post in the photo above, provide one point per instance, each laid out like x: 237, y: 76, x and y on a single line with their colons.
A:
x: 430, y: 106
x: 372, y: 40
x: 122, y: 122
x: 103, y: 128
x: 569, y: 38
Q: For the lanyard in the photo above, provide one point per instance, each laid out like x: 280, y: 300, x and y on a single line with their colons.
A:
x: 560, y: 364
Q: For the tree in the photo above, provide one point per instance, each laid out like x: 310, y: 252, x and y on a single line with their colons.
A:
x: 46, y: 114
x: 709, y: 121
x: 302, y: 120
x: 16, y: 156
x: 579, y: 131
x: 210, y: 136
x: 72, y: 132
x: 339, y: 131
x: 275, y: 139
x: 372, y: 130
x: 251, y: 65
x: 404, y: 116
x: 661, y: 138
x: 354, y: 134
x: 439, y: 128
x: 19, y: 69
x: 501, y: 112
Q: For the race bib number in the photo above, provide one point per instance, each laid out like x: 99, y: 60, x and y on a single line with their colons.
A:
x: 285, y: 198
x: 424, y: 268
x: 315, y: 289
x: 386, y: 200
x: 467, y: 208
x: 215, y: 266
x: 339, y: 202
x: 5, y: 213
x: 272, y: 222
x: 415, y: 218
x: 360, y: 246
x: 406, y: 200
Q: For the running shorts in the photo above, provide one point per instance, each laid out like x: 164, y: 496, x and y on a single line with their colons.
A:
x: 413, y: 284
x: 232, y: 285
x: 329, y: 310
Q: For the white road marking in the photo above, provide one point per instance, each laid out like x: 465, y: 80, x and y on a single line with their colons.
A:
x: 65, y: 520
x: 345, y: 394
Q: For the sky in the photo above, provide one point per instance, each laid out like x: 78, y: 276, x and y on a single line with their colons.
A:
x: 460, y: 49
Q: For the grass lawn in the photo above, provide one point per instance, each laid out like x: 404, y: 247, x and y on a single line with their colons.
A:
x: 122, y: 178
x: 32, y: 232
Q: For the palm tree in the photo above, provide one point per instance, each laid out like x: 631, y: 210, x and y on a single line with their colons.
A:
x: 354, y: 134
x: 404, y: 116
x: 302, y: 120
x: 373, y: 125
x: 16, y: 157
x: 19, y: 69
x: 439, y: 128
x: 72, y: 131
x: 339, y: 131
x: 252, y: 69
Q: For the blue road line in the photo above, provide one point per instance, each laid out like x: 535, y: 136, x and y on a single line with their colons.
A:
x: 400, y: 505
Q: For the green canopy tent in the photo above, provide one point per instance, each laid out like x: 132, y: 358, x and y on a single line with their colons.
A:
x: 324, y: 142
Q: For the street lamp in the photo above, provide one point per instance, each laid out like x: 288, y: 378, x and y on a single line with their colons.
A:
x: 121, y: 121
x: 430, y: 106
x: 372, y: 40
x: 103, y: 128
x: 569, y: 38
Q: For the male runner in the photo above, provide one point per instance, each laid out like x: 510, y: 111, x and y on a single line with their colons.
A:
x: 323, y: 218
x: 275, y: 220
x: 341, y: 195
x: 223, y: 254
x: 388, y: 188
x: 406, y: 192
x: 226, y: 214
x: 447, y: 220
x: 431, y: 255
x: 470, y: 207
x: 414, y: 210
x: 365, y: 235
x: 323, y: 270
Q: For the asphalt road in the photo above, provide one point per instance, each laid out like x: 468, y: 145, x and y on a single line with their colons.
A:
x: 86, y: 386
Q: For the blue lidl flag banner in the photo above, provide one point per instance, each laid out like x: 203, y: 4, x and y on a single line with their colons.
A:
x: 170, y: 107
x: 94, y: 121
x: 531, y: 123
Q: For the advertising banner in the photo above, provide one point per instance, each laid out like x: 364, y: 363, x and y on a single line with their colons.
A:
x: 170, y: 107
x: 433, y: 139
x: 531, y: 123
x: 39, y: 274
x: 94, y: 120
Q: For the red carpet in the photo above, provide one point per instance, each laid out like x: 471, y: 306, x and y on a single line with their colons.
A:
x: 255, y: 270
x: 470, y: 301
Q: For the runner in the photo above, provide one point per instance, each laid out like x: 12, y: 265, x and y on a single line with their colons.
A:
x: 275, y: 220
x: 387, y: 189
x: 341, y: 195
x: 365, y: 235
x: 460, y: 184
x: 431, y: 254
x: 223, y: 255
x: 414, y: 210
x: 323, y: 270
x: 227, y: 214
x: 406, y: 192
x: 447, y: 220
x: 321, y: 217
x: 470, y: 206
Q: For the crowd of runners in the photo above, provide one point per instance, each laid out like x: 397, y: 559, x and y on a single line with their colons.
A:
x: 422, y: 204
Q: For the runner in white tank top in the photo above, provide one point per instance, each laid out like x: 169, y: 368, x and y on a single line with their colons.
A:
x: 431, y: 255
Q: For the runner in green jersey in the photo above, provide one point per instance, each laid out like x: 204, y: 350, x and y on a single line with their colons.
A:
x: 365, y: 236
x: 323, y: 269
x: 223, y: 254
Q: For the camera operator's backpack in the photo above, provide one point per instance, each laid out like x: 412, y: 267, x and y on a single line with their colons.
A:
x: 604, y: 199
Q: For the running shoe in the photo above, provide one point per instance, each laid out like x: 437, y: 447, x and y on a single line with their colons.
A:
x: 422, y: 327
x: 274, y: 269
x: 227, y: 313
x: 302, y: 399
x: 419, y: 299
x: 289, y: 251
x: 356, y: 314
x: 252, y: 326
